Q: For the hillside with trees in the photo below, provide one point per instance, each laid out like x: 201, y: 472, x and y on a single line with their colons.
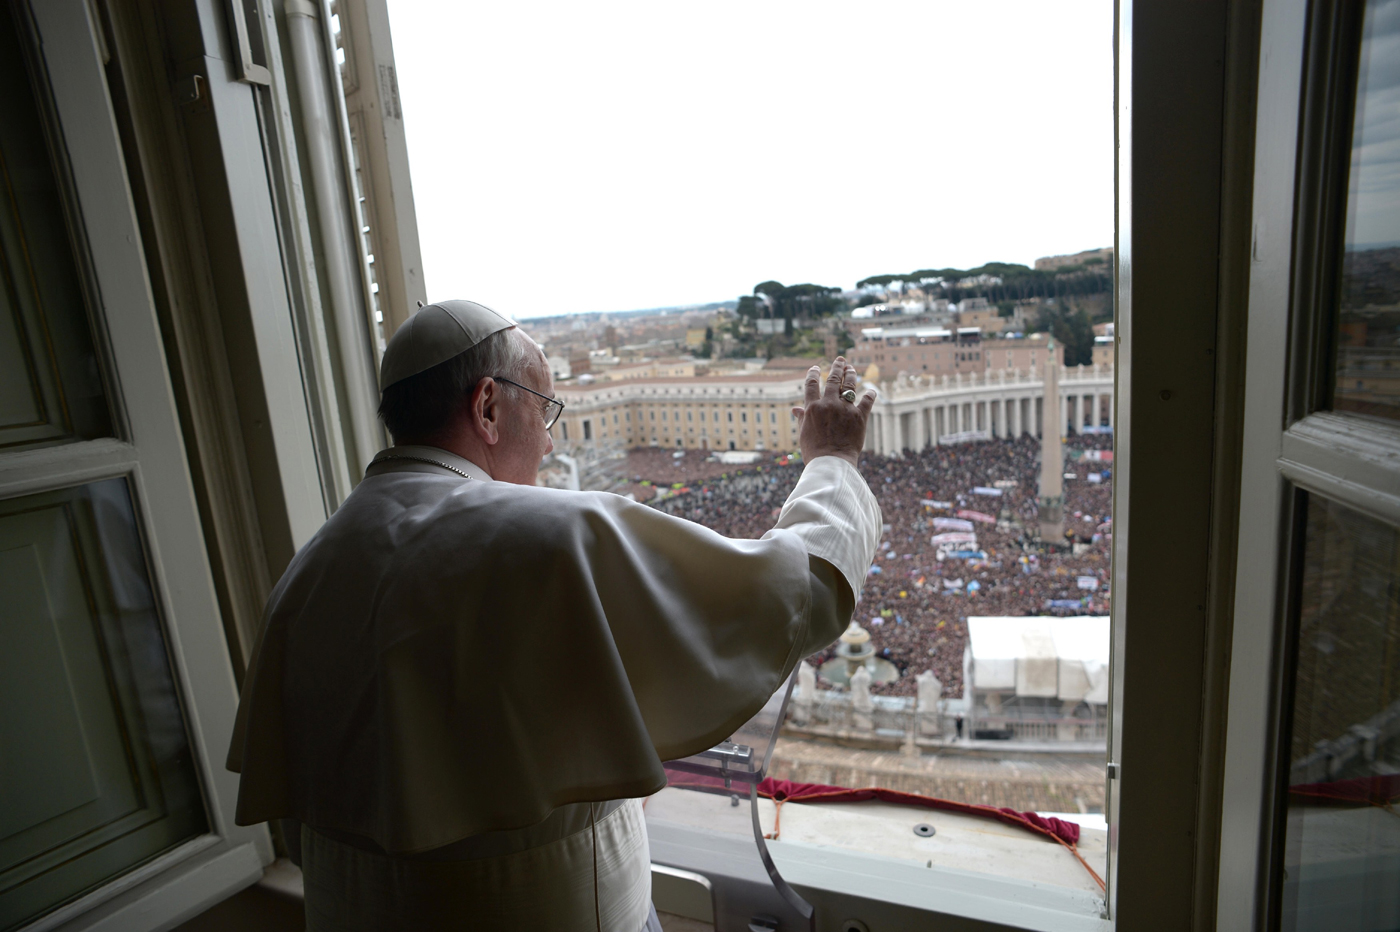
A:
x: 1000, y: 282
x: 1070, y: 299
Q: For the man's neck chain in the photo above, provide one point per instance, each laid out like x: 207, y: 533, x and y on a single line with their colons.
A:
x: 421, y: 459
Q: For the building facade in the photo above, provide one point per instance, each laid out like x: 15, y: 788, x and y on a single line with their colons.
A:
x: 755, y: 412
x: 704, y: 413
x: 938, y: 351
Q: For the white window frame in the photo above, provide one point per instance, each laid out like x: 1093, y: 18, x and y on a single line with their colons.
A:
x: 1291, y: 445
x: 149, y: 454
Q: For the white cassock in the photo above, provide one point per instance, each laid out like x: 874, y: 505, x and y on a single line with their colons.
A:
x: 463, y: 687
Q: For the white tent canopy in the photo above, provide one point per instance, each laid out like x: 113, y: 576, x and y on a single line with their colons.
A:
x: 1061, y: 658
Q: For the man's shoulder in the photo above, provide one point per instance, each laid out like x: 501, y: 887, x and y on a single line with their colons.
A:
x: 501, y: 509
x: 404, y: 527
x: 544, y: 502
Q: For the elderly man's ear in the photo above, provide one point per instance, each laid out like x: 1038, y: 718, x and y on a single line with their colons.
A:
x: 485, y: 411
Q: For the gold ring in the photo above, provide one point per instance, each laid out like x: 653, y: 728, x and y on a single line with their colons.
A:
x: 849, y: 395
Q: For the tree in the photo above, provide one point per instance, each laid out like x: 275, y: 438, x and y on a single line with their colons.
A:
x: 787, y: 302
x: 750, y: 307
x: 1071, y: 326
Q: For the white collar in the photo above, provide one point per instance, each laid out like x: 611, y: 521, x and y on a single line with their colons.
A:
x: 406, y: 455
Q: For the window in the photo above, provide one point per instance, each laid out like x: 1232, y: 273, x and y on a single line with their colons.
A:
x: 1320, y: 598
x: 112, y: 626
x: 731, y: 416
x: 587, y: 429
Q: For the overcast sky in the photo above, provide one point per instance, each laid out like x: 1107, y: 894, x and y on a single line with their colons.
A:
x: 611, y: 156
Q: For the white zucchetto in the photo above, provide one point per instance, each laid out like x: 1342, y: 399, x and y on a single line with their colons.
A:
x: 436, y: 333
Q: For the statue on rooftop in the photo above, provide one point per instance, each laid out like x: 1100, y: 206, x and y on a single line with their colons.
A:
x: 862, y: 705
x: 930, y: 691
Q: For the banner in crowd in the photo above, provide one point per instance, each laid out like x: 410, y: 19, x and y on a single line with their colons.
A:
x: 953, y: 537
x: 983, y: 490
x: 977, y: 516
x: 966, y: 436
x: 934, y: 503
x: 951, y: 524
x: 1088, y: 582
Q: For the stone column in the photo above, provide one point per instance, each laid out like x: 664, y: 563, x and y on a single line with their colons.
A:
x: 1094, y: 410
x: 891, y: 432
x: 1110, y: 409
x: 1052, y: 495
x: 921, y: 427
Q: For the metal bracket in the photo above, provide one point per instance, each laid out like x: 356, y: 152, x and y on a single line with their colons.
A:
x: 249, y: 71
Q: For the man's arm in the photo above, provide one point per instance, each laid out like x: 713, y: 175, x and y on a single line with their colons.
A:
x: 832, y: 509
x: 833, y: 604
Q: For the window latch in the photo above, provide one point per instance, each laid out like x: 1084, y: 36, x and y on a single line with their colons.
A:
x: 1113, y: 770
x: 249, y: 71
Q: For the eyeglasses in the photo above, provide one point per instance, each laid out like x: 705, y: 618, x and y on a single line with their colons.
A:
x: 553, y: 407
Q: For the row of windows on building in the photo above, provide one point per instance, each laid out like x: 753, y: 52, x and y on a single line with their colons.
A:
x: 600, y: 423
x: 588, y: 434
x: 690, y: 416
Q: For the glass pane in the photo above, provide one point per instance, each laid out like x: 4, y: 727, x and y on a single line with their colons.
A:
x: 50, y: 379
x: 96, y: 772
x: 1368, y: 340
x: 1342, y: 837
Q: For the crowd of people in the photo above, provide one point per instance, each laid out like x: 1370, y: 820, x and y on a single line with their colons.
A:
x: 920, y: 591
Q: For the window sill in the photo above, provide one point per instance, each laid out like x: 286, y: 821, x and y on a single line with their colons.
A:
x: 707, y: 835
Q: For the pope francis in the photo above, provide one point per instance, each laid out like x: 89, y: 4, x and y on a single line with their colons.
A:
x: 466, y: 683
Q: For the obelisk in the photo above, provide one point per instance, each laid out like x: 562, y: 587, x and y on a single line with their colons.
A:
x: 1052, y: 458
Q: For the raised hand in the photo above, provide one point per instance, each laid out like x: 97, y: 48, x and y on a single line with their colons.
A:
x: 829, y: 425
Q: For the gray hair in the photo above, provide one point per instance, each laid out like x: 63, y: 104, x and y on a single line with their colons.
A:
x: 421, y: 406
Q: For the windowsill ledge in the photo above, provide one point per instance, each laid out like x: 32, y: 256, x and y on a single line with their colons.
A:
x: 827, y: 851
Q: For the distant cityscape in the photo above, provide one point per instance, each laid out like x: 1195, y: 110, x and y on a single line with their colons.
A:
x: 723, y: 376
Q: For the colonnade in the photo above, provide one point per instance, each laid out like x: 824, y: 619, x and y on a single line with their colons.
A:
x: 912, y: 414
